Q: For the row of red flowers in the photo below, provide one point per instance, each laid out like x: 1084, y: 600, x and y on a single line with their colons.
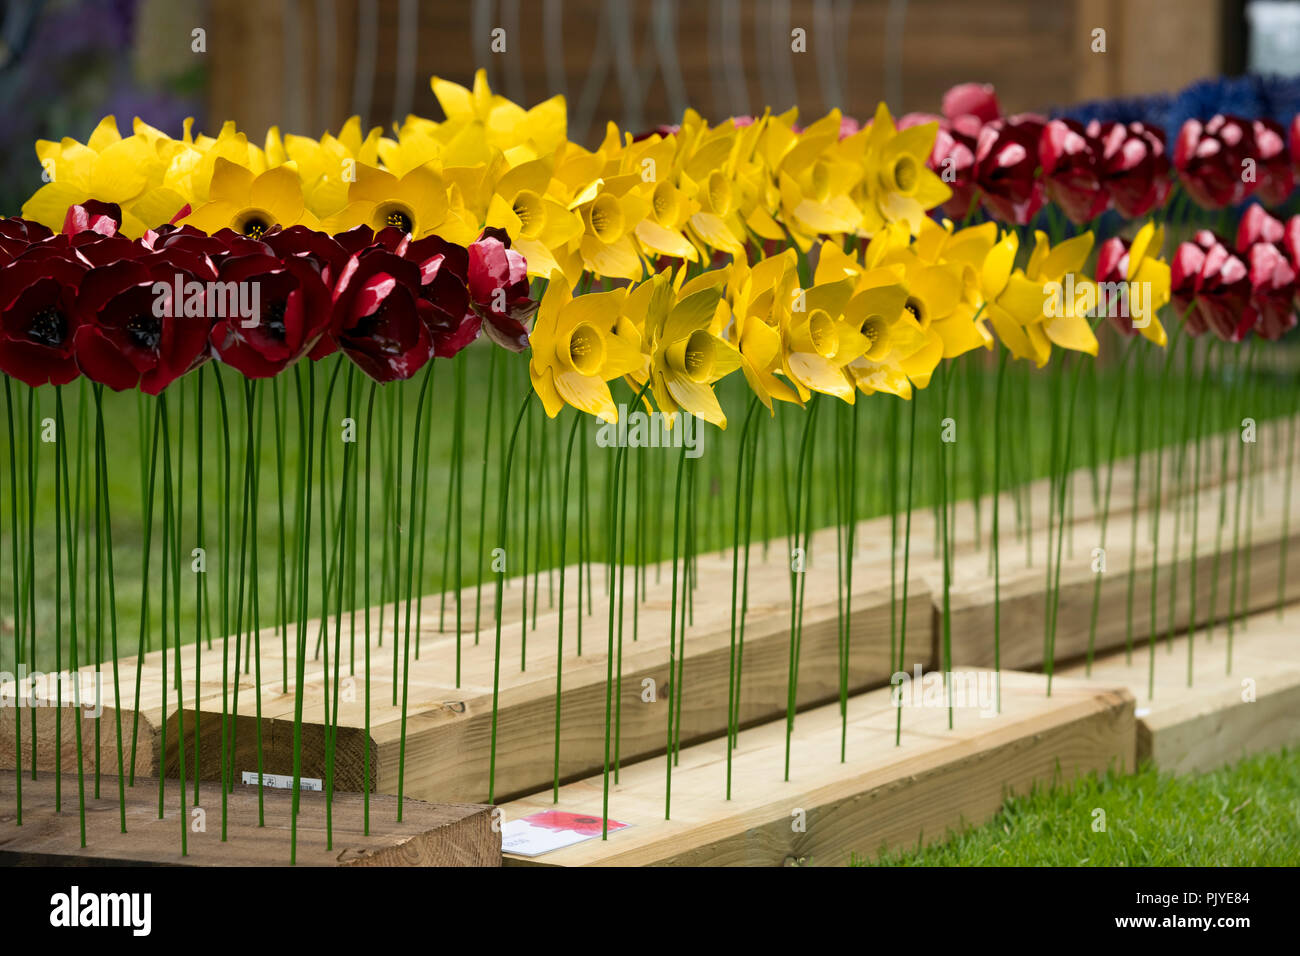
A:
x: 90, y: 301
x: 1250, y: 286
x: 1015, y: 164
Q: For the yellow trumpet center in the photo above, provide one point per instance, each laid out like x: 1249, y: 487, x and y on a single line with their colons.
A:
x: 531, y: 212
x: 876, y: 331
x: 584, y: 352
x: 665, y: 204
x: 719, y: 192
x: 918, y: 310
x: 821, y: 332
x: 253, y: 223
x: 394, y: 214
x: 606, y: 218
x: 693, y: 356
x: 904, y: 175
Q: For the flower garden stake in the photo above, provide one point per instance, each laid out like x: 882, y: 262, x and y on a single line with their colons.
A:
x: 18, y: 609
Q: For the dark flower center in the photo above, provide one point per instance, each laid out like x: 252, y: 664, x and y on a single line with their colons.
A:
x: 255, y: 227
x: 373, y: 334
x: 144, y: 331
x: 399, y: 219
x: 49, y: 326
x: 274, y: 320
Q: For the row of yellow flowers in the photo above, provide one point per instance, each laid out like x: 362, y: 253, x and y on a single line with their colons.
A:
x: 892, y: 292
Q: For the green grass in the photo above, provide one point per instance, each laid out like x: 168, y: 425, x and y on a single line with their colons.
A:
x: 1247, y: 814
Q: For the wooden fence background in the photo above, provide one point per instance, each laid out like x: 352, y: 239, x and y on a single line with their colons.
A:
x: 308, y: 64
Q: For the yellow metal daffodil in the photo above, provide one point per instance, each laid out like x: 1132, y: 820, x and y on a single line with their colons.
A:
x: 503, y: 124
x: 902, y: 353
x: 897, y: 185
x: 415, y: 204
x: 609, y: 218
x: 1145, y: 267
x: 760, y: 302
x: 815, y: 185
x: 686, y: 358
x: 250, y: 205
x: 538, y: 224
x: 961, y: 253
x: 191, y: 165
x: 1028, y: 308
x: 819, y: 342
x: 661, y: 232
x: 326, y: 165
x: 577, y: 350
x: 107, y: 167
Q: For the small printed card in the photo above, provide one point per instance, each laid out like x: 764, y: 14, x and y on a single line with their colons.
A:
x: 549, y: 830
x: 282, y: 781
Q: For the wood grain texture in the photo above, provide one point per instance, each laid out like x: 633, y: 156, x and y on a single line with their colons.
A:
x: 1210, y: 723
x: 429, y: 834
x: 449, y: 728
x: 1037, y: 54
x: 881, y: 796
x: 1024, y: 586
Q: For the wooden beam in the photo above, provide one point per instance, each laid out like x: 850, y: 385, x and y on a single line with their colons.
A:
x: 1225, y: 712
x: 428, y: 835
x: 881, y: 796
x: 1024, y: 585
x: 449, y: 728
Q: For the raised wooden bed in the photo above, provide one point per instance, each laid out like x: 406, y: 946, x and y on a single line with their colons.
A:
x: 1222, y: 714
x: 882, y: 796
x: 428, y: 835
x: 1024, y: 586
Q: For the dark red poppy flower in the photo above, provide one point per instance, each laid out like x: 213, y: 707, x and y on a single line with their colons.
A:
x: 953, y: 158
x: 969, y: 106
x: 1291, y: 240
x: 444, y: 271
x: 292, y: 306
x: 192, y: 249
x: 379, y: 318
x: 318, y: 248
x: 1212, y: 160
x: 1072, y: 170
x: 1223, y: 293
x: 1184, y: 271
x: 1273, y: 159
x: 1272, y: 291
x: 38, y: 318
x: 130, y: 332
x: 236, y: 244
x: 360, y: 237
x: 498, y: 289
x: 1134, y: 166
x: 1006, y: 166
x: 92, y: 215
x: 18, y: 235
x: 1112, y: 266
x: 1258, y: 226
